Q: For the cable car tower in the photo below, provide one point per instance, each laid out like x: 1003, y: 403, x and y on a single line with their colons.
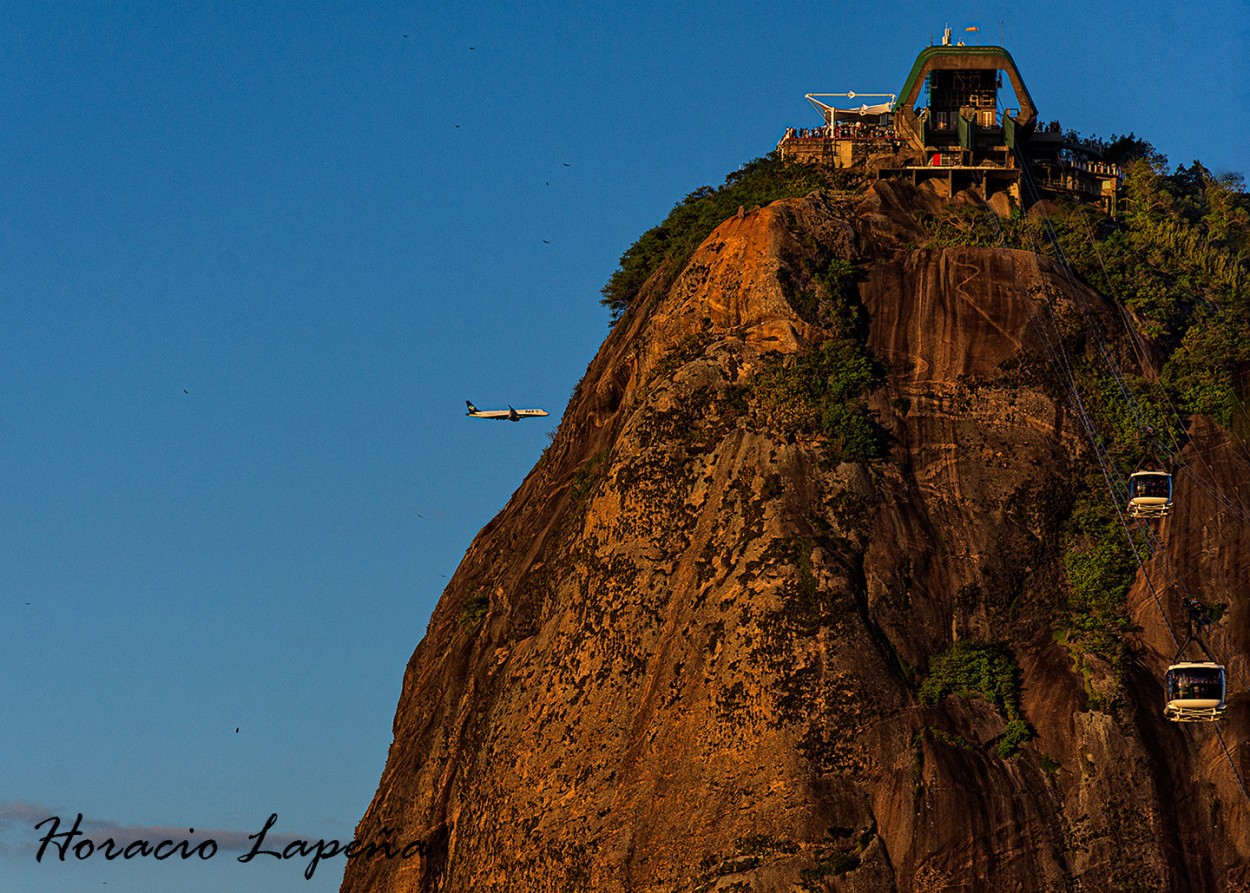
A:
x: 1194, y: 689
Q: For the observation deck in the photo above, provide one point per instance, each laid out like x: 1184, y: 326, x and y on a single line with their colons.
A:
x: 950, y: 125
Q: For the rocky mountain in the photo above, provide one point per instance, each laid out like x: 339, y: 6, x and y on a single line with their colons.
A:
x: 754, y: 622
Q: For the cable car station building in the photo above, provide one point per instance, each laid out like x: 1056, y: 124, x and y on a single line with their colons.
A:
x: 947, y: 127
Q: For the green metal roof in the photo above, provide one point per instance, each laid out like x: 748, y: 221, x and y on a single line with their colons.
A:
x: 976, y: 58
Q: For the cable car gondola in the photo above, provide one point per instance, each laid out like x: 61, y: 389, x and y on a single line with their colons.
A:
x: 1195, y: 691
x: 1149, y: 494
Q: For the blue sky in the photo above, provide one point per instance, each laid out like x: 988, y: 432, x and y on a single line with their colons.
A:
x: 253, y: 259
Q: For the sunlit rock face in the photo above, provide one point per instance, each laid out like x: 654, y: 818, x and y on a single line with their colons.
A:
x: 686, y: 655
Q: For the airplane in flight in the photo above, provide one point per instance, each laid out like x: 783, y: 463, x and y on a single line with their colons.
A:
x: 500, y: 415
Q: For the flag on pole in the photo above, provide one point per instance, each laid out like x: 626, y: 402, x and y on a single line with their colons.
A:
x: 973, y: 28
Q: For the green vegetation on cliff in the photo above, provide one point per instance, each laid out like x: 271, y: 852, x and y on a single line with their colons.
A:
x: 1100, y: 565
x: 984, y: 669
x: 692, y: 220
x: 821, y: 391
x: 1178, y: 260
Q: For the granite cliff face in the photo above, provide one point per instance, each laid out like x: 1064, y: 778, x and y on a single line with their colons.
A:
x: 686, y: 655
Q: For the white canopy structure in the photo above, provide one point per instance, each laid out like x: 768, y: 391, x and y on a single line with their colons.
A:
x: 833, y: 114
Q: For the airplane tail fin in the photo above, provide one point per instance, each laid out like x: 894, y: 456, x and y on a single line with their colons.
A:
x: 472, y: 408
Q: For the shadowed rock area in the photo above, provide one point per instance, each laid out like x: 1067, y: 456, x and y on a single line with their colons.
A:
x: 687, y: 655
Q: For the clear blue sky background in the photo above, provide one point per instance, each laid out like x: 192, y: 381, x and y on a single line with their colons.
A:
x: 253, y: 257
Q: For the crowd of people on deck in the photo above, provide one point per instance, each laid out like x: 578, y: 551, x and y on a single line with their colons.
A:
x: 843, y: 131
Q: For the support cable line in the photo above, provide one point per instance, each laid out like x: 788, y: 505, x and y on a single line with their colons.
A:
x: 1182, y: 679
x: 1113, y: 366
x: 1063, y: 367
x: 1155, y: 549
x: 1164, y: 560
x: 1092, y: 325
x: 1232, y: 764
x: 1157, y: 390
x: 1145, y: 429
x: 1116, y: 489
